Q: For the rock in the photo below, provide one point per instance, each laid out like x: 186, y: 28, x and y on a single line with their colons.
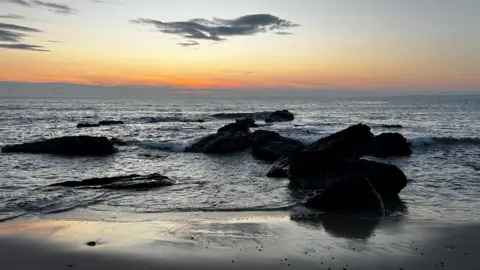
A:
x: 69, y: 146
x: 101, y: 123
x: 270, y: 146
x: 280, y: 116
x: 319, y: 170
x: 255, y: 115
x: 86, y: 125
x: 241, y: 125
x: 353, y: 193
x: 352, y: 142
x: 134, y: 181
x: 118, y: 142
x: 221, y: 143
x: 390, y: 144
x: 279, y: 168
x: 228, y: 139
x: 391, y: 126
x: 110, y: 123
x: 91, y: 244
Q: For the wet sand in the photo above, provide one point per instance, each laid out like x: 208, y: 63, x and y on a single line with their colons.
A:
x: 237, y: 240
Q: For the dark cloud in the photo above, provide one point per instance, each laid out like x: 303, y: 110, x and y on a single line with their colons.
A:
x: 12, y: 16
x: 55, y: 7
x: 283, y: 33
x: 219, y: 29
x: 189, y: 43
x: 19, y: 2
x: 15, y: 34
x: 55, y: 41
x: 58, y: 8
x: 9, y: 36
x: 17, y: 27
x: 26, y: 47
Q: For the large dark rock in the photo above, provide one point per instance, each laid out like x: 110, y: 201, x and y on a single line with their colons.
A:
x: 280, y: 116
x: 228, y: 139
x: 352, y: 142
x: 70, y: 146
x: 279, y: 168
x: 320, y: 170
x: 390, y: 144
x: 270, y: 146
x: 353, y: 193
x: 134, y: 181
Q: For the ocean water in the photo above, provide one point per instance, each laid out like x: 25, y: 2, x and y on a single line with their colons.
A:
x: 443, y: 172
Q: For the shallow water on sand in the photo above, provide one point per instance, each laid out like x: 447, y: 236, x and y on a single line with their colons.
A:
x: 444, y: 170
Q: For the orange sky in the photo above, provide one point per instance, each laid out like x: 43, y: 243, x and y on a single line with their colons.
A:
x: 335, y: 46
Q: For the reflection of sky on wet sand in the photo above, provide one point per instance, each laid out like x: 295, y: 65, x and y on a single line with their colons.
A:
x: 258, y: 237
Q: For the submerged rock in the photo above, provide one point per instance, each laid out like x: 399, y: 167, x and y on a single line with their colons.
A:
x: 279, y: 169
x: 101, y: 123
x: 390, y: 144
x: 391, y: 126
x: 280, y: 116
x: 270, y: 146
x: 353, y: 193
x: 69, y: 146
x: 134, y: 181
x: 117, y: 141
x: 86, y: 125
x: 110, y: 123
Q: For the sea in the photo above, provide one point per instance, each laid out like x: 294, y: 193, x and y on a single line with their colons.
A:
x: 443, y: 171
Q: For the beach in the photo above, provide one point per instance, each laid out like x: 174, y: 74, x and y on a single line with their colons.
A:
x: 236, y: 240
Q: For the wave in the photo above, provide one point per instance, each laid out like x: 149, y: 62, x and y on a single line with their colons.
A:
x: 424, y: 141
x: 256, y: 115
x: 165, y: 146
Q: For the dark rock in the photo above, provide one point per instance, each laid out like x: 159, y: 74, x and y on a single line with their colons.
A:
x: 255, y: 115
x: 110, y: 123
x: 241, y: 125
x: 353, y: 193
x: 91, y: 244
x: 134, y: 181
x: 86, y: 125
x: 69, y: 146
x: 280, y: 116
x: 101, y: 123
x: 391, y: 126
x: 320, y: 170
x: 228, y: 139
x: 279, y: 169
x: 270, y: 146
x: 221, y: 143
x: 352, y: 142
x: 118, y: 142
x: 390, y: 144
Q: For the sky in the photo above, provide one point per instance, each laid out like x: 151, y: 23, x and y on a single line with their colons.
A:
x: 369, y: 45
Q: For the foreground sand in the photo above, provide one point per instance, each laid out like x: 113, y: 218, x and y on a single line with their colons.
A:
x: 239, y: 240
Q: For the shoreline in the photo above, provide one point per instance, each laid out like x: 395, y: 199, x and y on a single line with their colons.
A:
x: 233, y: 240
